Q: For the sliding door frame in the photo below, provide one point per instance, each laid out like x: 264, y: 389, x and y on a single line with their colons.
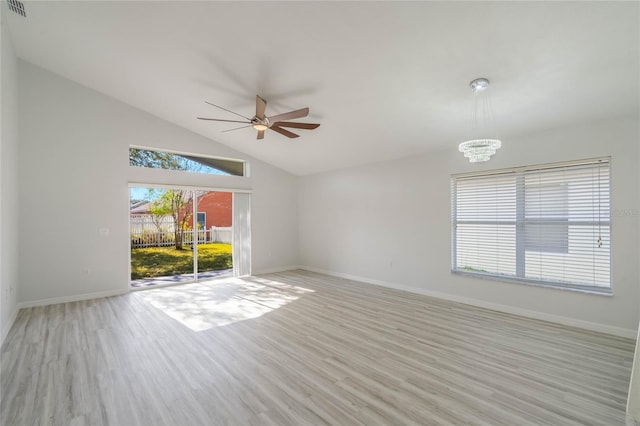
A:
x: 237, y: 237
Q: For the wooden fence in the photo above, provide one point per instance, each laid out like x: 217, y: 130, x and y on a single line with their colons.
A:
x: 150, y: 231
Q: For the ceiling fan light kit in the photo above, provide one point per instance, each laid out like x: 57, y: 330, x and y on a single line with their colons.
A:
x: 261, y: 122
x: 481, y: 149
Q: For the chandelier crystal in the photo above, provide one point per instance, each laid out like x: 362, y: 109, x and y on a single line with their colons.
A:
x: 480, y: 149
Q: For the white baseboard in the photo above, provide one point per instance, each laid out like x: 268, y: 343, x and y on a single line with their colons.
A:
x: 572, y: 322
x: 74, y: 298
x: 275, y: 270
x: 6, y: 327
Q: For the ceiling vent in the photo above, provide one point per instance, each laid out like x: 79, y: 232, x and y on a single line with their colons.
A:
x: 17, y: 7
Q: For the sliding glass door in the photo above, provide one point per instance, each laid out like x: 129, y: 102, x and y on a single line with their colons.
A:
x: 180, y: 235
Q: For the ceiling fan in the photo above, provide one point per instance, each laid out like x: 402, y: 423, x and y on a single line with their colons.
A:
x: 261, y: 122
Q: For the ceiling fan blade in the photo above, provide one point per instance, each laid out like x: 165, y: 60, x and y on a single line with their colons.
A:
x: 261, y: 105
x: 299, y: 113
x: 226, y: 121
x: 260, y: 134
x: 284, y: 132
x: 228, y: 110
x: 308, y: 126
x: 236, y: 128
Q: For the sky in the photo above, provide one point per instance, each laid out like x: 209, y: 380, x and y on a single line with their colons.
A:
x: 142, y: 193
x: 139, y: 193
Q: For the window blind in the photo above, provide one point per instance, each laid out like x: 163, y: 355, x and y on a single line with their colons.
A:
x: 545, y: 224
x: 241, y: 234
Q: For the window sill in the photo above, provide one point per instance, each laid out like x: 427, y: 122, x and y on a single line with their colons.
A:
x: 600, y: 291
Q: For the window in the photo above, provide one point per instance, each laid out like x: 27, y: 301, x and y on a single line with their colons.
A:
x: 202, y: 220
x: 141, y: 157
x: 545, y: 224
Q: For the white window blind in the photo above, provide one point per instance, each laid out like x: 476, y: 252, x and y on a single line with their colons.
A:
x: 241, y: 234
x: 543, y: 224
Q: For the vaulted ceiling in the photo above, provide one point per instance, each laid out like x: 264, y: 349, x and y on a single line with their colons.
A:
x: 385, y: 79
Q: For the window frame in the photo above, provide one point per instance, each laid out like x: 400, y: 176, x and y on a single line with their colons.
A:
x: 205, y: 219
x: 520, y: 231
x: 227, y: 166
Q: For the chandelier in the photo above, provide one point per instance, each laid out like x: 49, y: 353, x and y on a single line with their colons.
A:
x: 481, y: 149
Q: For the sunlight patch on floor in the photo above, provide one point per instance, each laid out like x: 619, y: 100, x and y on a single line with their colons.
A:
x: 205, y: 305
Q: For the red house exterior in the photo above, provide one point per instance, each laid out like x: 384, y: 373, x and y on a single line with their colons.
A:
x: 216, y: 209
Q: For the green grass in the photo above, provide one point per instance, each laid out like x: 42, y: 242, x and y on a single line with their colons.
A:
x: 151, y: 262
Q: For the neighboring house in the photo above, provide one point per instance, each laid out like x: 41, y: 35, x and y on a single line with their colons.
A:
x: 214, y: 209
x: 213, y: 221
x: 140, y: 207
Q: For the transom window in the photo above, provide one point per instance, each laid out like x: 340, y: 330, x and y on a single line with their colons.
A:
x: 156, y: 159
x: 547, y: 224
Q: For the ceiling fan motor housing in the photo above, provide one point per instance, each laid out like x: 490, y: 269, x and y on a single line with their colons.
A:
x: 260, y: 124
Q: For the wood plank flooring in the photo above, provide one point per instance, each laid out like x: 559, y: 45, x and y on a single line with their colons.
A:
x: 300, y: 348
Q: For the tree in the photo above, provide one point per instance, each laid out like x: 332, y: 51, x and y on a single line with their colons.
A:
x: 157, y: 213
x: 172, y: 202
x: 175, y: 203
x: 163, y: 160
x: 155, y: 159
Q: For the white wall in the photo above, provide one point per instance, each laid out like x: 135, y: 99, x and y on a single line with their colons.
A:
x: 633, y: 400
x: 8, y: 184
x: 74, y: 175
x: 389, y: 223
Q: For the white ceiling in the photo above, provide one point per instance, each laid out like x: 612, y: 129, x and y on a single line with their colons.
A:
x: 385, y: 79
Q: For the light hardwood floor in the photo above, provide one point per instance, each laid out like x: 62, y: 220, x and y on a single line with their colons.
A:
x: 303, y: 348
